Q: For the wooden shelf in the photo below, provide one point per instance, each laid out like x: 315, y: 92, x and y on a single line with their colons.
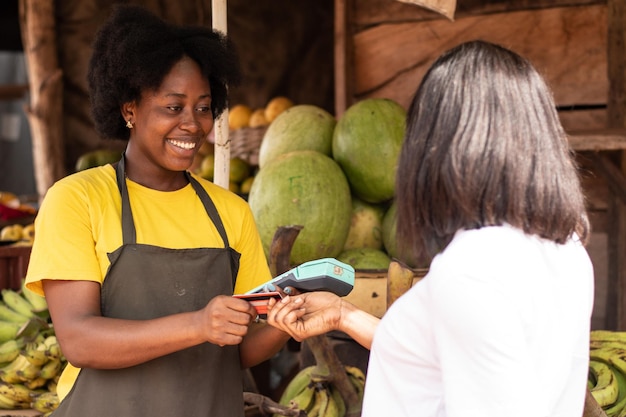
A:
x: 598, y: 140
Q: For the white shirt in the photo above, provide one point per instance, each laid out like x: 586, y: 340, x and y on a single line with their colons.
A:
x: 498, y: 327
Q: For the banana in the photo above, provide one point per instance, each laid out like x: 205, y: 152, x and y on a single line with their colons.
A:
x: 52, y: 347
x: 29, y: 372
x: 35, y: 353
x: 605, y: 390
x: 314, y: 411
x: 8, y: 330
x: 620, y: 403
x: 304, y: 399
x: 8, y: 314
x: 38, y: 302
x: 37, y: 382
x: 45, y: 402
x: 10, y: 374
x: 608, y: 336
x: 16, y: 392
x: 332, y: 409
x: 338, y: 401
x: 297, y: 384
x: 16, y: 302
x: 6, y: 403
x: 10, y: 349
x: 357, y: 378
x: 51, y: 368
x: 322, y: 398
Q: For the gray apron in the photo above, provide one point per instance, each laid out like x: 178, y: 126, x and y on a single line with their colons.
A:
x: 144, y: 282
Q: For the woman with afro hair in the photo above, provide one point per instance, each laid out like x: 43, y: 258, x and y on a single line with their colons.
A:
x: 139, y: 260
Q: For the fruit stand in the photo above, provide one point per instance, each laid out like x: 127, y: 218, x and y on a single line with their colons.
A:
x: 588, y: 88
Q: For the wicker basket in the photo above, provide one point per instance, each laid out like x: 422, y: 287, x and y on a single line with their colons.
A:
x: 245, y: 143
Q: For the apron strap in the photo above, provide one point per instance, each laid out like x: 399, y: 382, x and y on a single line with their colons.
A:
x: 129, y: 234
x: 210, y: 207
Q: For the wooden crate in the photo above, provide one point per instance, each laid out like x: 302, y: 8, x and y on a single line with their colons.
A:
x: 13, y: 265
x: 370, y: 290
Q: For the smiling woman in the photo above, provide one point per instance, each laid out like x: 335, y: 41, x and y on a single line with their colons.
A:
x: 151, y: 253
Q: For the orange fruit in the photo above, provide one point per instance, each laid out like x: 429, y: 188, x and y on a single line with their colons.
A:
x: 258, y: 119
x: 276, y: 106
x: 239, y: 116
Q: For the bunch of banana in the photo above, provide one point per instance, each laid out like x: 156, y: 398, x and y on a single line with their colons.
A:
x: 607, y: 371
x: 317, y: 397
x: 31, y: 360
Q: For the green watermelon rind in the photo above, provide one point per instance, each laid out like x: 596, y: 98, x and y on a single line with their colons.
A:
x: 366, y: 144
x: 301, y: 127
x: 305, y: 188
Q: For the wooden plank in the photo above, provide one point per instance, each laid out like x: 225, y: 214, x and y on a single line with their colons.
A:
x: 596, y: 140
x: 374, y: 12
x: 616, y: 115
x: 391, y: 59
x: 13, y: 91
x: 343, y: 56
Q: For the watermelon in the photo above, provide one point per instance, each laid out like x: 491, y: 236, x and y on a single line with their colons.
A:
x: 365, y: 225
x: 366, y: 144
x: 301, y: 127
x: 365, y: 258
x: 390, y: 221
x: 305, y: 188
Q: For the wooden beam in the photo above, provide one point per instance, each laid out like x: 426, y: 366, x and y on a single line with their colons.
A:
x: 45, y: 109
x: 616, y: 117
x: 598, y: 140
x: 13, y: 91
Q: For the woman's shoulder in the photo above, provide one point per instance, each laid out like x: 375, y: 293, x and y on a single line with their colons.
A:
x: 92, y: 182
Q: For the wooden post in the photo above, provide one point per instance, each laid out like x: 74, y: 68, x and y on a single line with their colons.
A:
x: 616, y: 117
x: 222, y: 144
x: 44, y: 112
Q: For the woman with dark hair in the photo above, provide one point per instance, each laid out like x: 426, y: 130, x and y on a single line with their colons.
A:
x: 488, y: 189
x: 139, y: 260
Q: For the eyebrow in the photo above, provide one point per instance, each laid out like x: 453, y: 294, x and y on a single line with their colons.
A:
x: 208, y: 95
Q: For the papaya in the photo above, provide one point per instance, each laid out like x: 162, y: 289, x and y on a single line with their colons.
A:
x: 366, y: 225
x: 308, y: 189
x: 390, y: 224
x: 300, y: 127
x: 366, y: 144
x: 96, y: 158
x: 365, y: 258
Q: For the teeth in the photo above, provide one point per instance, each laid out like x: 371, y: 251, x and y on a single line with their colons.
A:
x: 182, y: 144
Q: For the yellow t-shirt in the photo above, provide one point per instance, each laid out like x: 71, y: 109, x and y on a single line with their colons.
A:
x: 79, y: 223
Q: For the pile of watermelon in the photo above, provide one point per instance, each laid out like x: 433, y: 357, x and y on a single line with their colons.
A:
x: 335, y: 177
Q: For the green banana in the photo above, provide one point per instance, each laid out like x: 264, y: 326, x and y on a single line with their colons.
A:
x: 37, y: 382
x: 322, y: 398
x: 39, y: 303
x: 357, y: 378
x: 8, y: 330
x: 338, y: 401
x: 304, y: 399
x: 35, y: 353
x: 45, y: 402
x: 17, y: 392
x: 8, y: 314
x: 51, y: 368
x: 297, y: 384
x: 10, y: 349
x: 53, y: 348
x: 7, y: 403
x: 608, y: 336
x: 16, y: 302
x: 332, y: 409
x: 620, y: 403
x: 29, y: 371
x: 605, y: 390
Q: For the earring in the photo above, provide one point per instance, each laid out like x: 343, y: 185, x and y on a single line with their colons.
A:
x: 129, y: 124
